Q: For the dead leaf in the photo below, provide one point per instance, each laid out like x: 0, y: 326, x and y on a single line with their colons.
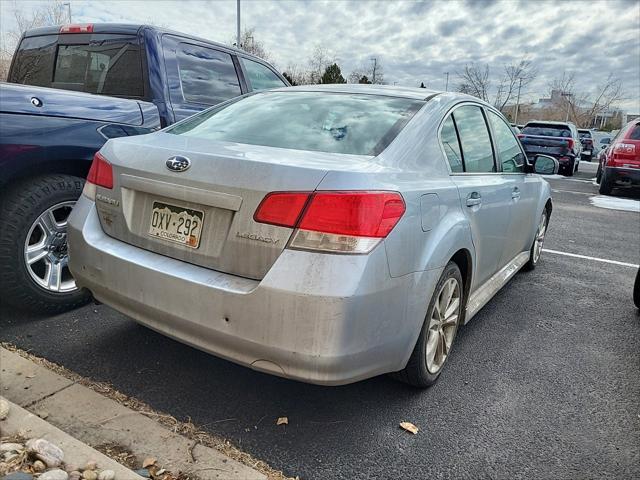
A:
x: 282, y: 421
x: 148, y: 462
x: 409, y: 427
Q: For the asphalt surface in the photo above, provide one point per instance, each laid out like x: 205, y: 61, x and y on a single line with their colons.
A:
x: 543, y: 383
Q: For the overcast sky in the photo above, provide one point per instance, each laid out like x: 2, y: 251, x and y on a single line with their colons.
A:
x: 415, y: 41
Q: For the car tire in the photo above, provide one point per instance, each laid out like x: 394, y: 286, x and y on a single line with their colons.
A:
x: 569, y: 169
x: 420, y: 371
x: 538, y: 241
x: 636, y: 290
x: 599, y: 174
x: 33, y: 217
x: 606, y: 185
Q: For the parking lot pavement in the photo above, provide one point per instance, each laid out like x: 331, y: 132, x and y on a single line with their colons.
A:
x: 544, y: 382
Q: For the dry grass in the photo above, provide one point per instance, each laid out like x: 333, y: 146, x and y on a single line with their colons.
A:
x: 186, y: 429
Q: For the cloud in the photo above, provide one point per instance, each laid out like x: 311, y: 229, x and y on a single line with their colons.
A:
x: 414, y: 41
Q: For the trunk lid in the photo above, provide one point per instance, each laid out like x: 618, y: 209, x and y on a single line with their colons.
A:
x: 222, y: 187
x: 556, y: 146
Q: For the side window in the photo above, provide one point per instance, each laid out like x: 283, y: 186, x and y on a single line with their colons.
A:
x: 451, y: 145
x: 475, y: 139
x: 207, y: 76
x: 260, y: 76
x: 509, y: 153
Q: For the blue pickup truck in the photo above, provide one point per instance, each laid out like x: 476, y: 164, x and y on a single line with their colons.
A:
x: 71, y: 88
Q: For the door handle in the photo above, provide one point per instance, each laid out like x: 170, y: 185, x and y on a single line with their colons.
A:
x: 474, y: 199
x: 515, y: 194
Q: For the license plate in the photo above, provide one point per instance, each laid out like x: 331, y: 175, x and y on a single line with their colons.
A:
x: 587, y: 152
x: 176, y: 224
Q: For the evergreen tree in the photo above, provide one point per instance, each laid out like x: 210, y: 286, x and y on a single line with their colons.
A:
x: 422, y: 85
x: 364, y: 79
x: 332, y: 74
x: 289, y: 79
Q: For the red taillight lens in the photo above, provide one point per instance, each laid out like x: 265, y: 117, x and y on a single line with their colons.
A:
x: 101, y: 172
x: 569, y: 143
x: 85, y: 28
x: 281, y: 208
x: 358, y: 214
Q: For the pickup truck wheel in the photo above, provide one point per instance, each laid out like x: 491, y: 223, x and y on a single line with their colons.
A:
x: 33, y: 245
x: 438, y: 333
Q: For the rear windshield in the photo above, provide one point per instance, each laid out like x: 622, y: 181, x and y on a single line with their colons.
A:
x: 546, y: 130
x: 104, y: 64
x: 317, y: 121
x: 584, y: 134
x: 635, y: 132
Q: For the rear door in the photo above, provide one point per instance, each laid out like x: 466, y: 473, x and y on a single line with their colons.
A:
x: 199, y: 76
x: 525, y: 188
x: 484, y: 193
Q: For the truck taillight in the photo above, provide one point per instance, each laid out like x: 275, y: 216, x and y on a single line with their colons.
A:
x: 100, y: 174
x: 334, y: 221
x: 77, y: 28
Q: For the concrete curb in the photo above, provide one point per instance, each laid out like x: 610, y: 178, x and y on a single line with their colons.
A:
x: 95, y: 420
x: 75, y: 452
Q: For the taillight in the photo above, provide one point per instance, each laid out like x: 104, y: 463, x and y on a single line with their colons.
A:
x: 281, y: 208
x: 569, y: 143
x: 100, y: 174
x: 624, y: 148
x: 84, y: 28
x: 341, y: 222
x: 621, y: 153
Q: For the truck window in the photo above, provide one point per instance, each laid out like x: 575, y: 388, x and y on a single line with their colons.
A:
x: 106, y: 64
x: 207, y: 76
x: 261, y: 77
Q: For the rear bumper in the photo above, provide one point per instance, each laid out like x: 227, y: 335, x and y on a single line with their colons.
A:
x: 623, y: 176
x: 319, y: 318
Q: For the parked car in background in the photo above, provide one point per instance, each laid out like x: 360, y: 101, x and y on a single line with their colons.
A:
x: 558, y: 139
x: 321, y: 233
x: 73, y: 87
x: 587, y: 144
x: 636, y: 290
x: 620, y: 163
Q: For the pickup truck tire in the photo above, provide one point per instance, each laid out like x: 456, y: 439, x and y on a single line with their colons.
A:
x: 33, y: 222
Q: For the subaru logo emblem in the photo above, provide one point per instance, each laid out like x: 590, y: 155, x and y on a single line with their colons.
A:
x: 178, y: 163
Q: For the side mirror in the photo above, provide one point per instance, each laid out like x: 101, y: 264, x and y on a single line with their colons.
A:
x: 545, y: 165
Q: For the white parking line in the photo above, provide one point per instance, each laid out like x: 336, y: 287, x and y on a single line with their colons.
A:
x: 595, y: 259
x: 570, y: 191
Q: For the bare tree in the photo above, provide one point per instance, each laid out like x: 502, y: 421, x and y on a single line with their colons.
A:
x: 53, y: 13
x: 474, y: 80
x: 296, y: 75
x: 517, y: 75
x: 249, y: 44
x: 320, y: 59
x: 372, y: 73
x: 582, y: 108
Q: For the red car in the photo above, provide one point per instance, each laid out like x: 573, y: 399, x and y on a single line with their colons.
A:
x: 620, y: 163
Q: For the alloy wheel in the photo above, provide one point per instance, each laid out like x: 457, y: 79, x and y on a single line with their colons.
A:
x: 539, y: 240
x: 443, y: 324
x: 45, y: 250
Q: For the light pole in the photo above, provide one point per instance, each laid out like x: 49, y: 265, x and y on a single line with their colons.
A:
x: 568, y: 95
x: 446, y: 85
x: 238, y: 23
x: 68, y: 5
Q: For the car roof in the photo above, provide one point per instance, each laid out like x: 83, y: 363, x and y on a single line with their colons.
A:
x: 133, y: 29
x: 368, y: 89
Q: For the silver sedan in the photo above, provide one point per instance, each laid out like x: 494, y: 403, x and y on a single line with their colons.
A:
x: 323, y: 233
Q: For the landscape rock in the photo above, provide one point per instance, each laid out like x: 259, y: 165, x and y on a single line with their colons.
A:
x: 4, y: 408
x: 89, y: 475
x: 107, y: 475
x: 11, y: 447
x: 55, y: 474
x: 70, y: 467
x: 39, y: 466
x: 18, y: 476
x: 46, y: 451
x: 143, y: 472
x: 75, y: 475
x: 91, y: 465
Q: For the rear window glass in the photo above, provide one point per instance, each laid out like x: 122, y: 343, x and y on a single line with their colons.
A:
x: 106, y: 64
x: 261, y: 77
x: 584, y: 134
x: 546, y: 130
x: 316, y: 121
x: 635, y: 132
x: 207, y: 76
